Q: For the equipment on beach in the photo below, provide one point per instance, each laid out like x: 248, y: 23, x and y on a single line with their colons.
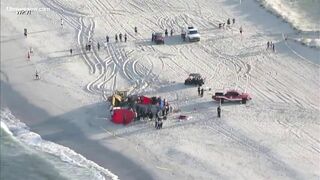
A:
x: 194, y: 79
x: 118, y: 97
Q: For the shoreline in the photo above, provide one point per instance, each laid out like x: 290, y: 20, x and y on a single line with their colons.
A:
x: 70, y: 136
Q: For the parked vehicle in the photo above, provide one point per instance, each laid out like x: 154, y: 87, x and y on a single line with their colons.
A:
x: 192, y: 34
x: 194, y: 79
x: 231, y: 95
x: 158, y: 38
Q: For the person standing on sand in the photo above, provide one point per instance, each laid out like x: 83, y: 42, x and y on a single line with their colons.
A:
x: 152, y: 37
x: 219, y: 111
x: 107, y: 38
x: 61, y: 23
x: 116, y: 37
x: 198, y: 90
x: 166, y: 32
x: 25, y: 32
x: 273, y: 48
x: 125, y: 37
x: 37, y: 75
x: 120, y: 37
x: 98, y: 45
x: 240, y: 29
x: 28, y: 56
x: 136, y: 30
x: 201, y: 93
x: 70, y: 51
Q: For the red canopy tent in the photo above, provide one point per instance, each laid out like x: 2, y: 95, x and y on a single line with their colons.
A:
x: 145, y: 100
x: 123, y: 116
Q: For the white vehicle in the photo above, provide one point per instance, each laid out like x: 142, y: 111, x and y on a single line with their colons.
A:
x: 192, y: 34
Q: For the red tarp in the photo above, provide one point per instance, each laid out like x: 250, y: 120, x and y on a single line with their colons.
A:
x: 145, y: 100
x: 122, y: 116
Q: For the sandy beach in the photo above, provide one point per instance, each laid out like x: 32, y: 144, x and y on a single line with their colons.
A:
x: 274, y: 136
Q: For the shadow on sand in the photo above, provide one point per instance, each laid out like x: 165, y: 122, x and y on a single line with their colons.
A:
x: 63, y: 130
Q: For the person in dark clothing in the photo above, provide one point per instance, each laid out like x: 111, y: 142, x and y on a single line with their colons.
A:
x: 107, y: 38
x: 25, y: 32
x: 166, y: 32
x: 98, y: 45
x: 228, y: 21
x: 143, y: 114
x: 273, y: 48
x: 171, y: 32
x: 240, y: 29
x: 201, y: 93
x: 268, y: 45
x: 135, y: 29
x: 198, y: 90
x: 150, y: 115
x: 116, y: 37
x: 183, y: 35
x: 158, y: 123
x: 120, y: 37
x: 37, y: 75
x: 152, y: 37
x: 70, y: 51
x: 233, y: 21
x: 89, y: 47
x: 219, y: 111
x: 125, y: 37
x: 220, y: 25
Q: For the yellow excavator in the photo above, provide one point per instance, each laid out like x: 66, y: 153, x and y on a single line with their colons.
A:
x: 118, y: 97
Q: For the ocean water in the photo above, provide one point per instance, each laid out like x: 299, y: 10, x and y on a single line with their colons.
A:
x: 302, y: 14
x: 25, y: 155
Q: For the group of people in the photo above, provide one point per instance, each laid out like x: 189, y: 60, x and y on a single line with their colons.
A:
x: 157, y: 110
x: 120, y: 37
x: 270, y: 45
x: 222, y: 25
x: 200, y: 91
x: 228, y: 23
x: 166, y: 32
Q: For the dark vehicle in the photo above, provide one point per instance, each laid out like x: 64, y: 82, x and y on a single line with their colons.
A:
x: 231, y: 95
x: 194, y: 79
x: 158, y: 38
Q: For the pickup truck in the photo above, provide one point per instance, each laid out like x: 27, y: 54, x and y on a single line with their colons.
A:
x: 231, y: 95
x: 192, y: 34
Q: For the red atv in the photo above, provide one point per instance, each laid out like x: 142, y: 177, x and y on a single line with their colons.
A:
x: 231, y: 95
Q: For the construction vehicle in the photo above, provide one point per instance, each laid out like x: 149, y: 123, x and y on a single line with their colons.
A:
x: 118, y: 98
